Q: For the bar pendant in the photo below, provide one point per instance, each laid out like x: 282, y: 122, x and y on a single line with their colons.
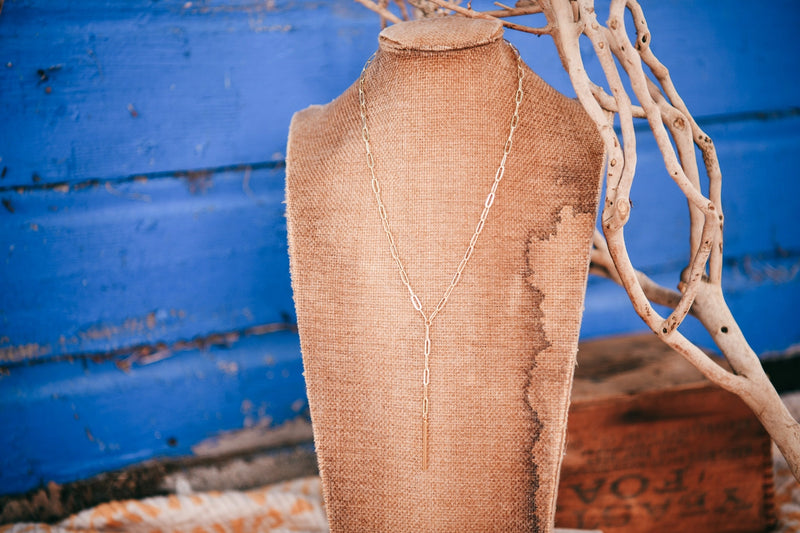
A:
x: 424, y: 443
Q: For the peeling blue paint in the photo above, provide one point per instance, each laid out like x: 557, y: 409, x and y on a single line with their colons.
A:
x: 119, y: 264
x: 73, y: 419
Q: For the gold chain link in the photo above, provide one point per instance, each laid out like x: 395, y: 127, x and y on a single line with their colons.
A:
x: 490, y: 198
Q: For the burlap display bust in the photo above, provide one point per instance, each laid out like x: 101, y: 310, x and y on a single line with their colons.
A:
x: 440, y: 97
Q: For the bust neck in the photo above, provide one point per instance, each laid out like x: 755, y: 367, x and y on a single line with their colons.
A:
x: 443, y: 59
x: 440, y: 35
x: 441, y: 76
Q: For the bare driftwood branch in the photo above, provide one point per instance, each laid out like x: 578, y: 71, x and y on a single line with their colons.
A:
x: 478, y: 14
x: 380, y: 10
x: 699, y: 289
x: 530, y: 9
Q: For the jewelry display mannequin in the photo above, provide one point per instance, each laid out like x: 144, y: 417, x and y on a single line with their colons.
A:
x: 439, y: 101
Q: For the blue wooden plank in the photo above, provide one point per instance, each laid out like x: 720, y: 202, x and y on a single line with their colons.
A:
x: 73, y: 419
x: 103, y: 89
x: 762, y: 293
x: 761, y: 195
x: 115, y: 265
x: 717, y: 68
x: 725, y: 57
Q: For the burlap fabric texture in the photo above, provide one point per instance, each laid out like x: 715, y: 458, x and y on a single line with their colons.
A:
x: 440, y: 96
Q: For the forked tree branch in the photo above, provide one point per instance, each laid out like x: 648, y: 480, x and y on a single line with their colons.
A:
x: 452, y: 6
x: 380, y: 10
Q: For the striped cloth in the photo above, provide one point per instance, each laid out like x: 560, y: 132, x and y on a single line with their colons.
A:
x: 290, y: 506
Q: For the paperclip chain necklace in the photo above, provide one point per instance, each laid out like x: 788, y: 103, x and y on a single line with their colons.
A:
x: 427, y: 318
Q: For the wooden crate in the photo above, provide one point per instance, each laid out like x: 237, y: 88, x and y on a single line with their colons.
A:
x: 653, y: 447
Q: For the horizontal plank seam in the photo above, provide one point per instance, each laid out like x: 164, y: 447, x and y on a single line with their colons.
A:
x: 765, y: 115
x: 66, y: 186
x: 143, y: 354
x: 733, y: 261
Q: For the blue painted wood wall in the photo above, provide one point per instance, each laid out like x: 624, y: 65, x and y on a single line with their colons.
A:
x: 145, y: 303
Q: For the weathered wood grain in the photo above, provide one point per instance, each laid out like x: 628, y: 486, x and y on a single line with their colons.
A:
x: 73, y: 419
x: 653, y: 447
x: 107, y: 89
x: 692, y: 458
x: 120, y: 264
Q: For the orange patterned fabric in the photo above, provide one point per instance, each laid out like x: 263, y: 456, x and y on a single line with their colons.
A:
x: 294, y: 506
x: 787, y: 489
x: 787, y: 498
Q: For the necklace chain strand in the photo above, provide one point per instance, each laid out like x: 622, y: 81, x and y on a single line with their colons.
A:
x: 415, y: 301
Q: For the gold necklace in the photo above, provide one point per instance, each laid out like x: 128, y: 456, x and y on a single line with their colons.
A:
x: 427, y: 318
